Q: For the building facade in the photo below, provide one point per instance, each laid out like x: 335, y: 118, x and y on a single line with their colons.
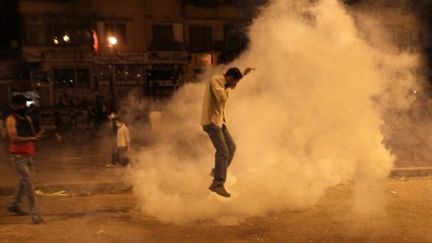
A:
x: 407, y: 25
x: 63, y: 48
x: 9, y: 51
x: 159, y: 44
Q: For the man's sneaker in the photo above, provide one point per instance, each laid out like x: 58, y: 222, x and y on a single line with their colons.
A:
x: 220, y: 190
x: 37, y: 219
x: 17, y: 210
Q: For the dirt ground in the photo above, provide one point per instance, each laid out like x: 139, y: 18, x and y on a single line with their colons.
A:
x: 114, y: 218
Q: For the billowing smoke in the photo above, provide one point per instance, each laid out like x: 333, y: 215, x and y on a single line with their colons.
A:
x: 308, y: 118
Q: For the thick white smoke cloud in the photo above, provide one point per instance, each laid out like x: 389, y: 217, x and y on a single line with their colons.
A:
x: 307, y: 119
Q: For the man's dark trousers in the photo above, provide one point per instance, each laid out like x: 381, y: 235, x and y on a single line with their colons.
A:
x: 225, y: 149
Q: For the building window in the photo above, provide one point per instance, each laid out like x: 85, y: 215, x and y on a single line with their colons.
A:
x: 234, y: 38
x: 34, y: 31
x: 128, y: 72
x: 135, y: 72
x: 83, y: 77
x: 66, y: 35
x: 36, y: 35
x: 71, y: 78
x: 235, y: 41
x: 163, y: 38
x: 116, y: 29
x: 55, y: 31
x: 103, y: 73
x: 200, y: 38
x: 121, y: 74
x: 162, y: 81
x: 64, y: 78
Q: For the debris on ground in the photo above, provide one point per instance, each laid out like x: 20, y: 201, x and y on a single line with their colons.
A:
x: 58, y: 194
x: 101, y: 232
x: 63, y: 193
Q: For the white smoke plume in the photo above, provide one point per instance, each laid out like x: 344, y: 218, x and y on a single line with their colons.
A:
x: 306, y: 119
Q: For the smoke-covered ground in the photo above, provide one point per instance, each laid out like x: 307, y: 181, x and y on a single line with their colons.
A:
x: 113, y: 218
x: 308, y: 118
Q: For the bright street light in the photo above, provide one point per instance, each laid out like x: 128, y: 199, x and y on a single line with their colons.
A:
x: 66, y: 38
x: 112, y: 40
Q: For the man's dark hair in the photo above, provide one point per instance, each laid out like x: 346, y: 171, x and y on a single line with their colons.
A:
x: 234, y: 72
x: 117, y: 118
x: 19, y: 99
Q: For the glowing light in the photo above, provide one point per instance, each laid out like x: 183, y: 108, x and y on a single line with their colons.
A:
x: 56, y: 41
x: 112, y: 40
x: 66, y: 38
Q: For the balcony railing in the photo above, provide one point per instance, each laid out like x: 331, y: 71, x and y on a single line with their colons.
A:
x: 158, y: 45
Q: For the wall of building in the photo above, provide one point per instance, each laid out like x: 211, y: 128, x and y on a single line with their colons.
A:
x: 140, y: 61
x: 394, y: 20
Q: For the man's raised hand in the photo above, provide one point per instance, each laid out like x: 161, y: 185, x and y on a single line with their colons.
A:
x: 247, y: 70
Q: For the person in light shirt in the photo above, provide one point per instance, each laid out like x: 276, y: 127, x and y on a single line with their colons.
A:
x: 214, y: 124
x: 122, y: 144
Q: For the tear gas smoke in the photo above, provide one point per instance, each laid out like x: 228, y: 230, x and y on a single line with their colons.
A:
x: 307, y: 119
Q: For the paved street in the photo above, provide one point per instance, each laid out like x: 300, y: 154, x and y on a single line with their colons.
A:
x: 324, y: 108
x: 97, y: 206
x: 66, y: 163
x: 115, y: 218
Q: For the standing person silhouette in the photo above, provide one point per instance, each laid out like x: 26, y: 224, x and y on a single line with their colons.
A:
x: 22, y: 135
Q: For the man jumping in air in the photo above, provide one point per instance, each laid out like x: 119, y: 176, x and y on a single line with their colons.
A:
x: 214, y: 123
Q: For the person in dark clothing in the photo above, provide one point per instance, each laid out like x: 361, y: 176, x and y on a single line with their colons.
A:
x: 22, y: 135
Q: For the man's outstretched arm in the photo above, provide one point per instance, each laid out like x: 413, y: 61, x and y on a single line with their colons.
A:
x: 247, y: 70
